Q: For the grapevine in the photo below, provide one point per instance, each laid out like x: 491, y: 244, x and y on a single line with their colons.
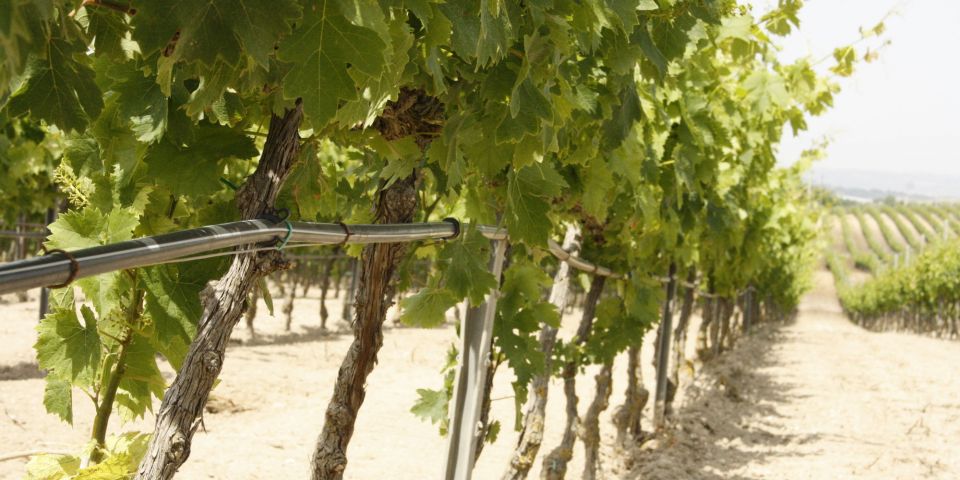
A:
x: 651, y: 127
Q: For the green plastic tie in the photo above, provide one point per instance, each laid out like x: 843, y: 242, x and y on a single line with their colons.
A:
x: 283, y: 243
x: 233, y: 186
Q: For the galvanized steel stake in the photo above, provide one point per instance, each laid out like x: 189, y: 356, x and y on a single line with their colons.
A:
x: 477, y: 332
x: 663, y: 351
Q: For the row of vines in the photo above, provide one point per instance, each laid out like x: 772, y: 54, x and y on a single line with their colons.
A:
x: 912, y: 285
x: 644, y: 132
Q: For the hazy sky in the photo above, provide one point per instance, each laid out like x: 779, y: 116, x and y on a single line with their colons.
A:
x: 900, y: 113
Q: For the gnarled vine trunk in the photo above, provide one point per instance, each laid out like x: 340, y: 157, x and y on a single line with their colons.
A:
x: 680, y: 339
x: 223, y: 304
x: 414, y: 113
x: 590, y: 430
x: 251, y: 313
x: 288, y: 304
x: 722, y: 325
x: 325, y: 287
x: 484, y: 427
x: 531, y: 434
x: 628, y: 416
x: 555, y: 464
x: 379, y: 262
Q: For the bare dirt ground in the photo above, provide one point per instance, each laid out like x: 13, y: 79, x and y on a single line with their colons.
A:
x: 818, y: 398
x: 266, y: 413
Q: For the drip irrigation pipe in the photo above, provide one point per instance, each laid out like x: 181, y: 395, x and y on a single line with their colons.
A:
x: 16, y: 234
x: 60, y: 267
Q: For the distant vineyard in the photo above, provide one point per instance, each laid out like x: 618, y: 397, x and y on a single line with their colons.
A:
x: 908, y: 259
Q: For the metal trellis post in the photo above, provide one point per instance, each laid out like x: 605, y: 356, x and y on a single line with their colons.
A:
x: 747, y: 309
x: 663, y: 350
x: 476, y: 330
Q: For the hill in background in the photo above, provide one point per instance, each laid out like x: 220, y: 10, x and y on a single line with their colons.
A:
x: 862, y: 185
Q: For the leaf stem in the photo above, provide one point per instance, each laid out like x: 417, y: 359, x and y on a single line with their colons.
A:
x: 105, y: 408
x: 127, y: 9
x: 109, y: 394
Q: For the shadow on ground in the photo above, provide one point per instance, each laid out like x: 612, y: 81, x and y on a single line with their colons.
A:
x: 20, y: 371
x: 726, y: 421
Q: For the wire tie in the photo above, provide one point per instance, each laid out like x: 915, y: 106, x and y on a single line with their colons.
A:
x: 346, y: 231
x: 456, y: 228
x: 74, y: 266
x: 233, y: 186
x: 286, y: 238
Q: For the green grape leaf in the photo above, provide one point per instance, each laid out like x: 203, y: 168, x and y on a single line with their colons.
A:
x: 21, y: 32
x: 598, y: 189
x: 427, y: 308
x: 531, y: 318
x: 141, y: 100
x: 210, y: 31
x: 613, y: 330
x: 493, y: 431
x: 108, y: 29
x: 467, y: 274
x: 90, y: 227
x: 528, y: 98
x: 641, y: 37
x: 478, y: 31
x: 60, y: 89
x: 52, y: 467
x: 266, y: 295
x: 764, y: 90
x: 625, y: 115
x: 626, y: 12
x: 67, y: 349
x: 322, y: 51
x: 740, y: 28
x: 445, y: 150
x: 195, y: 169
x: 529, y: 191
x: 111, y: 468
x: 141, y: 380
x: 431, y: 405
x: 377, y: 90
x: 58, y: 398
x: 845, y: 58
x: 524, y: 356
x: 522, y: 283
x: 312, y: 189
x: 173, y: 302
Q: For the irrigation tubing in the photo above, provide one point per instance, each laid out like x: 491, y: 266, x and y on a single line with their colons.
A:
x: 16, y: 234
x: 59, y: 268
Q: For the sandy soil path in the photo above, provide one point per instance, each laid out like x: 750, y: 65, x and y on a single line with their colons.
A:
x: 819, y: 398
x: 265, y: 415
